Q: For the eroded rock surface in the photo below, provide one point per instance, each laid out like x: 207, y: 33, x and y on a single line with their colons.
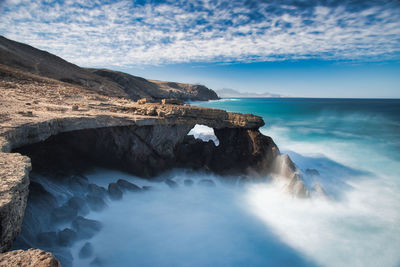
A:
x: 28, y: 258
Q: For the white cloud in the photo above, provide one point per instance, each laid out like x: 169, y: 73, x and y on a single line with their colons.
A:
x: 90, y: 33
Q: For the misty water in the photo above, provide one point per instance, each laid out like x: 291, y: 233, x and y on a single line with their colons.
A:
x: 354, y: 145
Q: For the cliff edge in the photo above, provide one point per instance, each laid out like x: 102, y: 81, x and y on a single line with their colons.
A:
x: 41, y: 116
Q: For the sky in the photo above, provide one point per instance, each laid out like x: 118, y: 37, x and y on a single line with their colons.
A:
x: 293, y: 48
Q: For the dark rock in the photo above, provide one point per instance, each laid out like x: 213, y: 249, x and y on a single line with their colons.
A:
x: 241, y: 151
x: 38, y: 193
x: 125, y: 185
x: 171, y: 183
x: 78, y: 183
x: 188, y: 182
x: 86, y: 251
x: 86, y: 228
x: 96, y: 190
x: 207, y: 182
x: 97, y: 262
x: 114, y: 192
x: 67, y: 237
x: 96, y: 202
x: 47, y: 239
x: 78, y: 204
x: 64, y: 213
x: 312, y: 172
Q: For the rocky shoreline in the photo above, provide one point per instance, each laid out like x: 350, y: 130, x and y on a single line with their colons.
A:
x: 153, y: 135
x: 52, y: 120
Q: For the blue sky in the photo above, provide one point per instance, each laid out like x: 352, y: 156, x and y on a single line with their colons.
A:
x: 294, y: 48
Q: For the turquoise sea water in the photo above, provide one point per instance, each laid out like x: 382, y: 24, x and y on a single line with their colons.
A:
x: 355, y: 145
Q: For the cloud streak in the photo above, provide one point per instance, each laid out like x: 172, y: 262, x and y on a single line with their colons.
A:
x: 126, y: 33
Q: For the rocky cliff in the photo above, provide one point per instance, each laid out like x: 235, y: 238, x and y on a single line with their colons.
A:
x: 41, y: 117
x: 101, y: 81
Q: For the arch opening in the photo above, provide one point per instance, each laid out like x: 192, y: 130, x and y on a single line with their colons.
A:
x: 204, y: 133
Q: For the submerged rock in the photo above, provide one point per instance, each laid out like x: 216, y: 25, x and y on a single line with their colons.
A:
x: 312, y: 172
x: 171, y: 183
x: 78, y: 183
x: 86, y: 228
x: 86, y: 251
x: 125, y: 185
x: 28, y: 258
x: 95, y: 202
x: 207, y: 182
x: 319, y: 191
x: 114, y: 192
x: 96, y: 190
x: 79, y: 204
x: 297, y: 187
x: 67, y: 237
x: 188, y: 182
x: 97, y: 262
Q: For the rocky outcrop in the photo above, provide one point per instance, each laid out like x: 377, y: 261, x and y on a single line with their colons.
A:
x: 101, y: 81
x: 66, y: 126
x: 14, y: 182
x: 137, y: 87
x: 28, y: 258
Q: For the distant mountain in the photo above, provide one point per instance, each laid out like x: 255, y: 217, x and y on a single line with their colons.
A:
x: 227, y: 92
x: 107, y: 82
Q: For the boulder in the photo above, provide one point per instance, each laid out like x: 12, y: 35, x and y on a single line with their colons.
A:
x: 97, y: 262
x: 28, y: 258
x: 312, y: 172
x: 144, y: 101
x: 86, y: 251
x: 318, y: 191
x: 86, y: 228
x: 171, y: 183
x: 79, y: 204
x: 114, y: 192
x: 96, y: 202
x: 207, y: 182
x: 78, y: 183
x: 128, y: 186
x: 67, y: 237
x: 96, y: 190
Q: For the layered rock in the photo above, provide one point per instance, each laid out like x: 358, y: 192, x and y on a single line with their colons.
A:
x: 14, y: 182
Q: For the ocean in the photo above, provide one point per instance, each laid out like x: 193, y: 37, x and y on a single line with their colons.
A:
x: 355, y: 146
x: 351, y: 147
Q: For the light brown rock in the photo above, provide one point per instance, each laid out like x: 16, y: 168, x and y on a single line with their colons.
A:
x: 28, y: 258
